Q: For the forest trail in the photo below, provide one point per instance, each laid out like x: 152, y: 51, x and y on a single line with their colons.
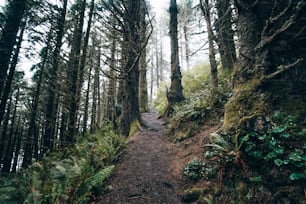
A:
x: 144, y: 173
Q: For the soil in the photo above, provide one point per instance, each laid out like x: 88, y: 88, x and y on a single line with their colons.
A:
x: 150, y: 169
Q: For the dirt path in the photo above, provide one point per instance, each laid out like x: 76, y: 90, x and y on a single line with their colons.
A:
x: 144, y: 173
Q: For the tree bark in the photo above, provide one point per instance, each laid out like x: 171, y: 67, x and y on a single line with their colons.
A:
x: 32, y: 136
x: 271, y: 74
x: 8, y: 37
x: 175, y: 93
x: 10, y: 77
x: 132, y: 50
x: 74, y: 74
x: 53, y: 83
x: 7, y: 161
x: 205, y: 7
x: 143, y: 87
x: 225, y: 35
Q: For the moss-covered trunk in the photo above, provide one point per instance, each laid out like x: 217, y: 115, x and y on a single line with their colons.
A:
x: 175, y: 94
x: 270, y: 75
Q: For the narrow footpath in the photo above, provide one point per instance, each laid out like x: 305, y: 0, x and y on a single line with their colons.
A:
x: 144, y: 173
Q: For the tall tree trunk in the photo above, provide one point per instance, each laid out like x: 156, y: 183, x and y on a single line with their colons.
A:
x: 84, y: 50
x: 152, y: 81
x: 18, y: 136
x: 205, y: 7
x: 158, y: 66
x: 161, y: 60
x: 130, y: 106
x: 74, y: 74
x: 271, y: 74
x: 32, y: 136
x: 225, y: 34
x: 95, y: 94
x: 8, y: 37
x: 187, y: 52
x: 111, y: 94
x: 86, y: 109
x: 10, y: 77
x: 4, y: 134
x: 143, y: 87
x: 53, y: 86
x: 175, y: 93
x: 7, y: 162
x: 100, y: 110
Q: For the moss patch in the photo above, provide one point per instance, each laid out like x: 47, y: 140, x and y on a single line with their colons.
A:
x: 183, y: 135
x: 135, y: 127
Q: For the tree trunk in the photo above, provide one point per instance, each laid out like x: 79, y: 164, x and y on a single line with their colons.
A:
x: 130, y: 115
x: 86, y: 109
x: 53, y: 86
x: 95, y: 94
x: 8, y: 37
x: 143, y: 87
x: 10, y: 77
x: 18, y: 136
x: 187, y: 52
x: 111, y: 93
x: 84, y: 50
x: 7, y: 161
x: 4, y: 135
x: 205, y: 7
x: 175, y: 93
x: 225, y: 35
x: 74, y: 74
x: 32, y: 136
x: 271, y: 74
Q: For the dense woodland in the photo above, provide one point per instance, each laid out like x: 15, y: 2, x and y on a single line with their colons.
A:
x: 97, y: 65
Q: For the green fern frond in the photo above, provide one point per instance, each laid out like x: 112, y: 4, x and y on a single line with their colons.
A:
x: 96, y: 180
x: 218, y: 140
x: 99, y: 177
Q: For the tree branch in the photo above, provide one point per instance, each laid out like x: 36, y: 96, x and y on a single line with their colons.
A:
x: 281, y: 69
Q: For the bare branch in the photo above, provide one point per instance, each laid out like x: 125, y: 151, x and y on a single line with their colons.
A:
x: 281, y: 69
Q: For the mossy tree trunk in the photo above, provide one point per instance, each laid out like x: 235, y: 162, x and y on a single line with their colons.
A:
x: 175, y: 93
x: 271, y: 74
x: 143, y: 87
x: 132, y: 51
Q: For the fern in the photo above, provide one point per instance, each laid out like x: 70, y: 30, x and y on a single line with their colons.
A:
x: 66, y: 176
x: 99, y: 177
x: 93, y: 182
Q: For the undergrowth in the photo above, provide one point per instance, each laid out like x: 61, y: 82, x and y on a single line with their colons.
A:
x: 71, y: 175
x: 202, y: 104
x: 265, y: 165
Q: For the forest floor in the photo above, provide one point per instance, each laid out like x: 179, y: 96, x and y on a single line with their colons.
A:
x: 151, y: 167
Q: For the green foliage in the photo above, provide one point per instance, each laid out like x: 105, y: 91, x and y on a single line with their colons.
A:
x: 208, y: 168
x: 201, y: 105
x: 160, y: 103
x: 94, y: 182
x: 280, y: 145
x: 67, y: 176
x: 194, y: 169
